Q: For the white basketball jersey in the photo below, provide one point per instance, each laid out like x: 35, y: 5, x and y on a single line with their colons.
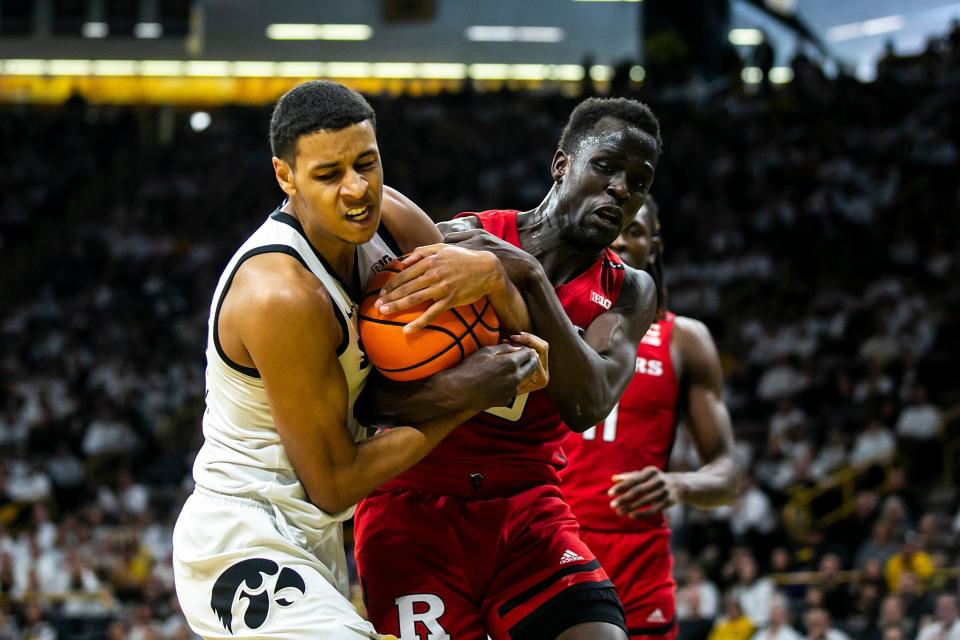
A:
x: 242, y: 453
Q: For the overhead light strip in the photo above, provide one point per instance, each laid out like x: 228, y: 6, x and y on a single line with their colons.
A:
x: 294, y: 69
x: 298, y: 31
x: 489, y: 33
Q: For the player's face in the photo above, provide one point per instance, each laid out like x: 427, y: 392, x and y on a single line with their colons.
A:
x: 604, y: 182
x: 637, y: 245
x: 336, y: 184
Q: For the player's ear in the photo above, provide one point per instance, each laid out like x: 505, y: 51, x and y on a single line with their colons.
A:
x: 559, y: 165
x: 284, y: 173
x: 656, y: 246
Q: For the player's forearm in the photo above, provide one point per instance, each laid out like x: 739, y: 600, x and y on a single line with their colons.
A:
x: 388, y: 403
x: 579, y: 385
x: 510, y: 308
x: 381, y: 458
x: 713, y: 485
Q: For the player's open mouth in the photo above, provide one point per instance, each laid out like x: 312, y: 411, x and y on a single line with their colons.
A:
x: 358, y: 214
x: 610, y: 214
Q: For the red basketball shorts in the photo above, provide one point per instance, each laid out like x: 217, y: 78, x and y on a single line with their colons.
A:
x: 509, y: 567
x: 641, y: 568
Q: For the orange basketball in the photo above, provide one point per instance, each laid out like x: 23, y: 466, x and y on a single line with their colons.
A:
x: 448, y: 339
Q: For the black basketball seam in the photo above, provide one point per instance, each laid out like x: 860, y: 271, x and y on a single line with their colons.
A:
x: 456, y: 342
x: 469, y: 327
x: 486, y: 305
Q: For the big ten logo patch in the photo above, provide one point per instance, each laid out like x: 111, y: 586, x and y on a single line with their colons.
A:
x: 600, y: 300
x: 652, y: 337
x: 378, y: 266
x: 649, y: 367
x: 419, y: 617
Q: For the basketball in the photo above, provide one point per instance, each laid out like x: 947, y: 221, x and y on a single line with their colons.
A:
x: 448, y: 339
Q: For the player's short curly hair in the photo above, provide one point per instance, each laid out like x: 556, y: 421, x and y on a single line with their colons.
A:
x: 310, y: 107
x: 589, y: 112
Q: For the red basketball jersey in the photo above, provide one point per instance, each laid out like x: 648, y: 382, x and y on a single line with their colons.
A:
x: 638, y: 433
x: 509, y: 447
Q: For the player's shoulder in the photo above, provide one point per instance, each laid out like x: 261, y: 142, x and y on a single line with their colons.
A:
x: 406, y: 222
x: 638, y: 288
x: 687, y: 326
x: 695, y: 343
x: 277, y: 286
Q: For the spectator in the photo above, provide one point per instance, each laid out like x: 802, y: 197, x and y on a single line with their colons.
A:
x: 909, y: 559
x: 734, y: 624
x: 819, y: 626
x: 779, y: 627
x: 946, y: 624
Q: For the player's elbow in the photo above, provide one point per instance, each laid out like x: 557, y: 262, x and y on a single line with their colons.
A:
x: 586, y: 413
x: 329, y: 500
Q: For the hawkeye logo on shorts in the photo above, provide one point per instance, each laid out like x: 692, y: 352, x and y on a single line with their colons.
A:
x: 244, y: 589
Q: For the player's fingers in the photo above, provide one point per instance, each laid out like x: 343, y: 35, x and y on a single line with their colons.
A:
x: 623, y: 481
x: 424, y: 319
x: 409, y: 295
x: 637, y: 492
x: 420, y: 253
x: 399, y: 279
x: 529, y: 365
x: 538, y: 344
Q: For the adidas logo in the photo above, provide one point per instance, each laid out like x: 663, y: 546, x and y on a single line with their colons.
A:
x: 569, y: 556
x: 656, y: 616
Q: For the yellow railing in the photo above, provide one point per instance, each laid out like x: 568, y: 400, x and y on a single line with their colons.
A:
x: 798, y: 513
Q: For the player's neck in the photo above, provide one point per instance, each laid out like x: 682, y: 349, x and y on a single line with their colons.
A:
x: 541, y: 236
x: 339, y: 255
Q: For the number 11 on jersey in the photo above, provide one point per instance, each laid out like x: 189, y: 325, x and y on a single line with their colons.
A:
x: 609, y: 427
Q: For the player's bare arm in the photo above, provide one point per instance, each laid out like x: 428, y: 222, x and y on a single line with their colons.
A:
x: 604, y: 352
x: 306, y: 387
x: 448, y: 275
x: 650, y: 491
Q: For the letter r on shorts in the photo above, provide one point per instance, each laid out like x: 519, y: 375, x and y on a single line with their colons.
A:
x: 425, y: 608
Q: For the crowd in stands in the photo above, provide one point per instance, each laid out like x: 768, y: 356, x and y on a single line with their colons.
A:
x: 814, y: 228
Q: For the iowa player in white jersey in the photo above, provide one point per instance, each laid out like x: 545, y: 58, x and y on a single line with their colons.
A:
x: 258, y: 548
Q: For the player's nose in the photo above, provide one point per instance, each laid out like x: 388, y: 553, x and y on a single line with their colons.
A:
x: 354, y: 186
x: 617, y: 188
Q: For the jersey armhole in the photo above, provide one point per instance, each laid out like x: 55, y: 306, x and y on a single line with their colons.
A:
x: 270, y: 248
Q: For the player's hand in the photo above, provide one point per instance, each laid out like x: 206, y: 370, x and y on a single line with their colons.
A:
x: 540, y: 377
x: 445, y: 275
x: 517, y: 263
x: 493, y: 376
x: 644, y: 493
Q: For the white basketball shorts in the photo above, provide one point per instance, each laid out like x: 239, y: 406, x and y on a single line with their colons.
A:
x: 240, y: 575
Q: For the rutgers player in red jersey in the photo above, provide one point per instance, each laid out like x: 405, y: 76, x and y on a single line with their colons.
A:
x: 616, y: 480
x: 476, y: 539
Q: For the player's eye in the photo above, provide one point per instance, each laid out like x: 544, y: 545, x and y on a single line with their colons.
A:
x: 603, y: 167
x: 324, y: 177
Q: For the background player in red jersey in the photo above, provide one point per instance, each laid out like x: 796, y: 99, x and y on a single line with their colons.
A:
x: 477, y: 539
x: 616, y: 481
